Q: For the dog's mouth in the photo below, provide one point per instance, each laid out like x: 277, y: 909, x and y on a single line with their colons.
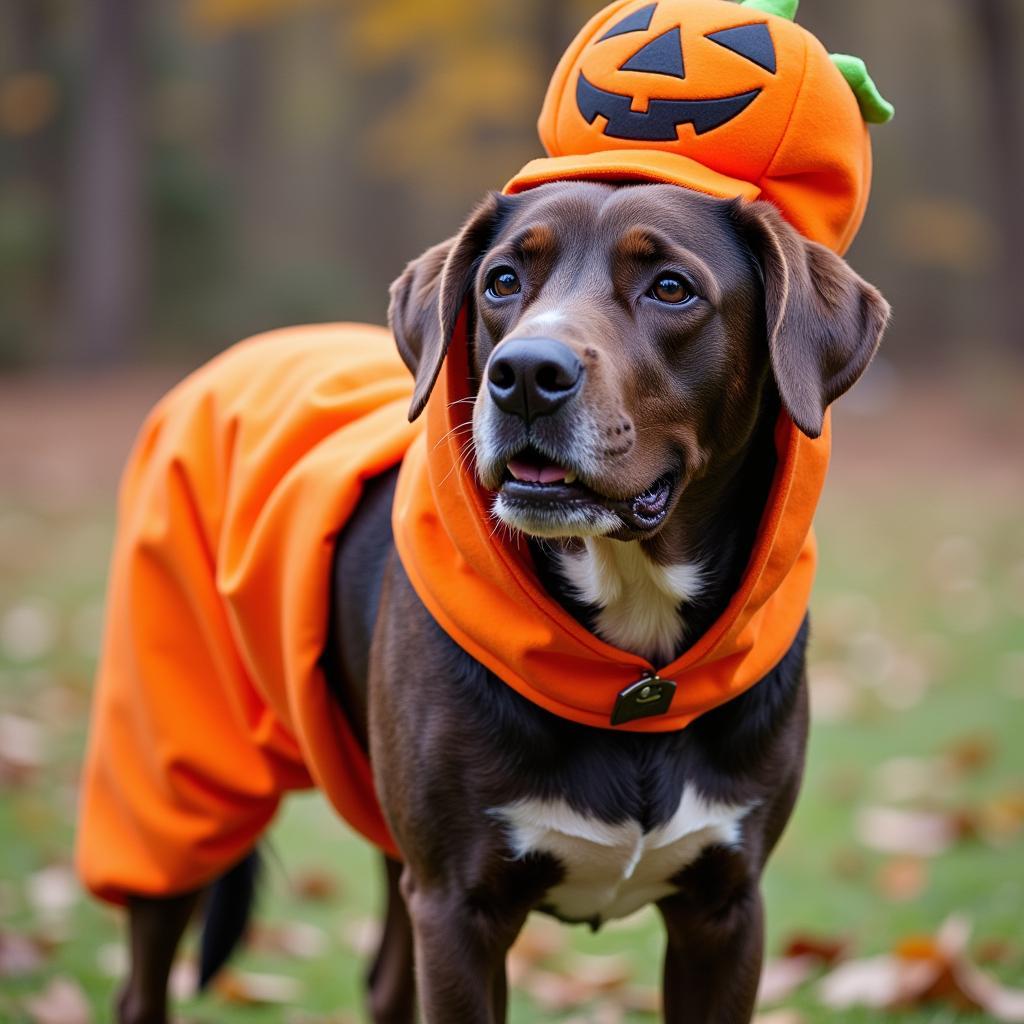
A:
x: 533, y: 486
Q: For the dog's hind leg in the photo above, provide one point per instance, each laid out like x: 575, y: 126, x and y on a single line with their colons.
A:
x: 155, y: 928
x: 391, y: 981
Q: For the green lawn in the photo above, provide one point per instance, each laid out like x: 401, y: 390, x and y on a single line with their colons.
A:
x: 919, y: 650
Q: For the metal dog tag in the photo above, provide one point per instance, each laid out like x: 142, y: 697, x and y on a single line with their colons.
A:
x: 645, y: 698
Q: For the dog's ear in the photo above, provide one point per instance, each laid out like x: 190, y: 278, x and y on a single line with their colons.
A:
x: 823, y: 321
x: 427, y: 298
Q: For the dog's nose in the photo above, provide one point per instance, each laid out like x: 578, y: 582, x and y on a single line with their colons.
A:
x: 532, y: 377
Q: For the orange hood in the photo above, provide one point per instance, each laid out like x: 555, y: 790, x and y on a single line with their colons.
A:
x: 482, y: 590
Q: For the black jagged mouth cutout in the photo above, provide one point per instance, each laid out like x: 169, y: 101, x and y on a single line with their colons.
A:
x: 662, y: 119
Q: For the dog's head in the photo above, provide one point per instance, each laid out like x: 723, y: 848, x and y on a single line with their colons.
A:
x: 621, y: 342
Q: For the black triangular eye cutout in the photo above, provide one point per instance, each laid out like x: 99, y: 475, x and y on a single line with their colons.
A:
x: 751, y: 41
x: 661, y: 56
x: 638, y: 21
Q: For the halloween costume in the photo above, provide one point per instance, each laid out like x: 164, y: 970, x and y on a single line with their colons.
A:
x: 211, y: 702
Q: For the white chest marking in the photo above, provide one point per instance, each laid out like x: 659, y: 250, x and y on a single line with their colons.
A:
x: 613, y: 870
x: 637, y: 599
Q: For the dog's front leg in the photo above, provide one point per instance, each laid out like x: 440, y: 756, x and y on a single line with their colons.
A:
x: 460, y: 951
x: 715, y: 932
x: 155, y: 928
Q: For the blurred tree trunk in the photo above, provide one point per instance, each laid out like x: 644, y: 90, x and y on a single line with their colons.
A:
x: 107, y: 252
x: 1000, y: 66
x: 31, y: 31
x: 246, y: 131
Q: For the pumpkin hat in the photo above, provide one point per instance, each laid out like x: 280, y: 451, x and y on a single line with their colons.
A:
x: 730, y: 99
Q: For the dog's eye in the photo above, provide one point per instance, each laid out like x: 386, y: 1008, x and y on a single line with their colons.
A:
x: 671, y: 289
x: 503, y: 282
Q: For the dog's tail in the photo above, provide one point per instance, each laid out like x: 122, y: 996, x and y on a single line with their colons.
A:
x: 228, y: 909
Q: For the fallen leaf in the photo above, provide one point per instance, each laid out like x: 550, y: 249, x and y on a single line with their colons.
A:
x: 823, y: 949
x: 969, y: 755
x: 908, y: 832
x: 911, y: 778
x: 22, y: 749
x: 902, y: 879
x: 880, y: 982
x: 998, y: 951
x: 782, y: 977
x: 833, y: 697
x: 984, y: 992
x: 61, y: 1002
x: 600, y: 973
x: 184, y: 980
x: 540, y: 940
x: 641, y: 999
x: 316, y: 885
x: 19, y: 954
x: 302, y: 1017
x: 554, y: 991
x: 248, y: 988
x: 362, y: 935
x: 780, y: 1017
x: 52, y: 893
x: 294, y: 938
x: 924, y: 970
x: 1000, y: 819
x: 28, y: 631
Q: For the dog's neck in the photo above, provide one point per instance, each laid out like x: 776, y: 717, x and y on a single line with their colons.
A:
x: 656, y: 597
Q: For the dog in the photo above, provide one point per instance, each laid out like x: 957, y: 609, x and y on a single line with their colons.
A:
x: 630, y: 351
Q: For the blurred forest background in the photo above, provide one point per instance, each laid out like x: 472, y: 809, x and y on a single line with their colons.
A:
x: 176, y: 174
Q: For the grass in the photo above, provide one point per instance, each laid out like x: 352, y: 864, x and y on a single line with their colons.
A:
x: 918, y: 652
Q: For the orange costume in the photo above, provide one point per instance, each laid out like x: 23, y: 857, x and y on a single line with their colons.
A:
x: 211, y: 701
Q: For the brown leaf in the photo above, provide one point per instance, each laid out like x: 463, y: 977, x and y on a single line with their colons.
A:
x: 600, y: 973
x: 907, y: 832
x: 1001, y: 818
x: 19, y: 954
x: 293, y: 938
x: 997, y: 951
x: 902, y: 879
x: 969, y: 755
x: 822, y: 948
x: 555, y: 991
x: 641, y: 999
x: 924, y: 970
x: 316, y: 885
x: 61, y: 1002
x: 540, y: 940
x: 250, y: 989
x: 985, y: 993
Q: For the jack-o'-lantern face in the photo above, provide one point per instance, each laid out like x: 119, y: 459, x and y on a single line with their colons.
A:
x: 652, y: 60
x: 712, y: 80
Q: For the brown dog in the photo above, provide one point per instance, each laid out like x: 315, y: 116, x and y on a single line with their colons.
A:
x: 631, y: 347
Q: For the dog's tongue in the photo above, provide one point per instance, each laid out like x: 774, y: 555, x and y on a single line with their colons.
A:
x: 536, y: 474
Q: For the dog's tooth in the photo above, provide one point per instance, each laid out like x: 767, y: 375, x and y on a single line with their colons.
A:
x: 570, y: 478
